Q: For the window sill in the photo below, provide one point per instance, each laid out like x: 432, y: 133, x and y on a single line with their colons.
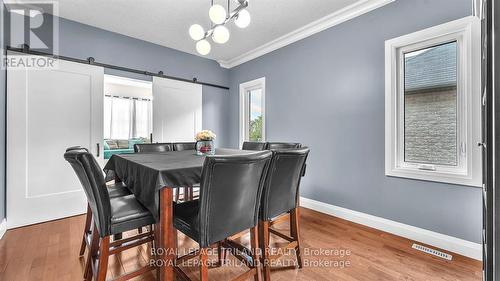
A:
x: 435, y: 176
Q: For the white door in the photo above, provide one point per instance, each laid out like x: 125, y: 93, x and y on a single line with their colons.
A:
x: 48, y: 111
x: 177, y: 110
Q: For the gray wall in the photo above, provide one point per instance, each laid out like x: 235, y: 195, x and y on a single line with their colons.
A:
x: 327, y: 91
x: 82, y: 41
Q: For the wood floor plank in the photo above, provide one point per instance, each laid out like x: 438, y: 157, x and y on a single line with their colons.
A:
x: 49, y: 251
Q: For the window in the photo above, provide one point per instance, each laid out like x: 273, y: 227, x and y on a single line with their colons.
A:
x: 252, y: 110
x: 433, y: 104
x: 127, y: 109
x: 127, y: 118
x: 430, y: 105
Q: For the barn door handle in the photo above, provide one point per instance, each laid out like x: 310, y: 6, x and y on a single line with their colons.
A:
x: 98, y: 149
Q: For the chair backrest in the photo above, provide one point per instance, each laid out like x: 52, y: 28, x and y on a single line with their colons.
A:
x: 77, y: 147
x: 282, y: 182
x: 179, y: 146
x: 253, y: 145
x: 283, y: 145
x: 231, y: 188
x: 152, y: 147
x: 90, y: 175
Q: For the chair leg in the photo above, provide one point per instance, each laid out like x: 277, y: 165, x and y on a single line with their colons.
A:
x: 203, y: 265
x: 268, y: 234
x: 188, y: 194
x: 177, y: 194
x: 191, y: 193
x: 176, y: 240
x: 155, y: 245
x: 93, y: 252
x: 87, y: 229
x: 220, y: 257
x: 102, y: 268
x: 264, y: 249
x: 295, y: 233
x: 254, y: 242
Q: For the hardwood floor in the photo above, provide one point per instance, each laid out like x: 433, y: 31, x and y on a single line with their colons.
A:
x: 49, y: 251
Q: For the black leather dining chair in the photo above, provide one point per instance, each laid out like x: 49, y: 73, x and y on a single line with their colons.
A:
x: 283, y: 145
x: 152, y: 147
x: 180, y: 146
x: 188, y: 192
x: 253, y: 145
x: 110, y: 216
x: 280, y: 202
x: 231, y: 187
x: 116, y: 189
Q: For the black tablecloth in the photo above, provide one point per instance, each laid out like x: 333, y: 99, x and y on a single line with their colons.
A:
x: 146, y: 173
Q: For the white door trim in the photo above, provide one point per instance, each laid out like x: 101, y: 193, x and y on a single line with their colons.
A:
x: 3, y: 228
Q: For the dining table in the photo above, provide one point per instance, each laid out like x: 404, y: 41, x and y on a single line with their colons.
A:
x: 152, y: 178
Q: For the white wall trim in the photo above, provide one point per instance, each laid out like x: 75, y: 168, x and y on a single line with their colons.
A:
x: 3, y: 228
x: 354, y: 10
x: 442, y: 241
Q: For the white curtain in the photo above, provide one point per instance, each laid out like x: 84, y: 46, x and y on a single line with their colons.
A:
x: 126, y: 118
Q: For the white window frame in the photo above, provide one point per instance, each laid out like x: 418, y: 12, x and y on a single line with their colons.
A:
x: 466, y: 32
x: 244, y: 107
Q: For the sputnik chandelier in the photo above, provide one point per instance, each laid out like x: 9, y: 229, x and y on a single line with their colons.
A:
x: 218, y: 31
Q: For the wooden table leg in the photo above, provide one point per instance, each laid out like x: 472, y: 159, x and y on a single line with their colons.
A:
x: 167, y: 245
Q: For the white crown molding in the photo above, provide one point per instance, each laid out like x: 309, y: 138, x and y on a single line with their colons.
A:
x: 3, y: 228
x: 441, y: 241
x: 354, y: 10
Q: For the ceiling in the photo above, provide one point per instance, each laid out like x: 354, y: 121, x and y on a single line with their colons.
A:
x: 166, y: 22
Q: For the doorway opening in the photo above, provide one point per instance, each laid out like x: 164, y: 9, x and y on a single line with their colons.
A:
x: 128, y: 114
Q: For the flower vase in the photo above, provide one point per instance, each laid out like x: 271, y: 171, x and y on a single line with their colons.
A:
x: 205, y: 147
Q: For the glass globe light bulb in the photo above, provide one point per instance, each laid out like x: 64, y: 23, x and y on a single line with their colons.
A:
x: 217, y: 14
x: 196, y: 32
x: 203, y: 47
x: 243, y: 19
x: 221, y: 34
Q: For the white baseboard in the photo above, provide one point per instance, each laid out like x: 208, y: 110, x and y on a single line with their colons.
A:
x: 3, y: 228
x: 442, y: 241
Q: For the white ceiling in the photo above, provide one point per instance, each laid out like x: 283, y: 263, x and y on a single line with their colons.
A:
x: 166, y: 22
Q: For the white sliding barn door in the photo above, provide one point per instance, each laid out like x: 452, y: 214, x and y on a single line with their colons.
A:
x: 177, y: 110
x: 48, y: 111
